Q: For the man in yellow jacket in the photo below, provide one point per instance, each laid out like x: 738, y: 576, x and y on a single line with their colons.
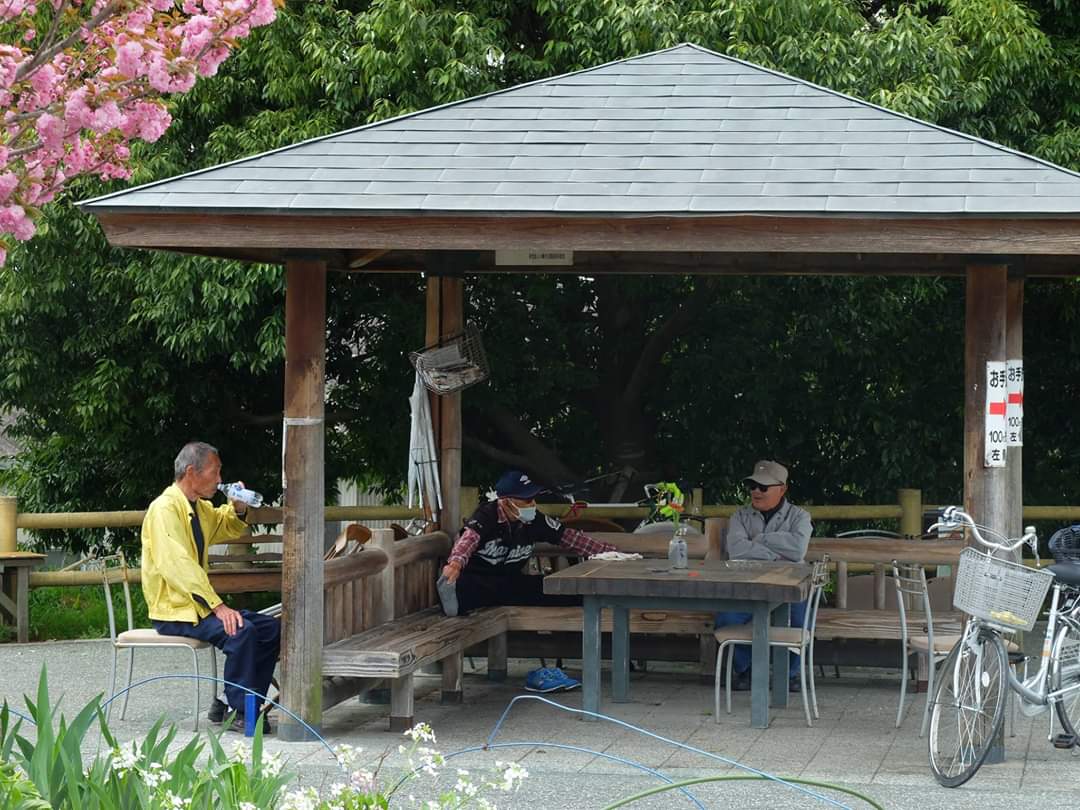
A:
x: 179, y: 528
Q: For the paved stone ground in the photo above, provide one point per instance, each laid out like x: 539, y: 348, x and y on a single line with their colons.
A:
x: 854, y: 744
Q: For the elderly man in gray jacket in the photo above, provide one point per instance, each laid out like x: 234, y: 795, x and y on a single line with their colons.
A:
x: 770, y: 528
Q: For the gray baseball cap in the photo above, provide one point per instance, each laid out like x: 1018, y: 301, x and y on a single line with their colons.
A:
x: 768, y: 473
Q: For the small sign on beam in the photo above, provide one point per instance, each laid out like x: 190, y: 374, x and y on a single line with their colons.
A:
x: 996, y: 424
x: 1014, y: 409
x: 534, y: 258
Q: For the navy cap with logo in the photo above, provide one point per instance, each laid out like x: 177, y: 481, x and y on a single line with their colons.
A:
x: 516, y: 484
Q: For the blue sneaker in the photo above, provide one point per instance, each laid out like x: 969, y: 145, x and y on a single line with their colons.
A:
x: 549, y: 679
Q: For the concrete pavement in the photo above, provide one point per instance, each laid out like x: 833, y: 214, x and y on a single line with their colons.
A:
x: 854, y: 744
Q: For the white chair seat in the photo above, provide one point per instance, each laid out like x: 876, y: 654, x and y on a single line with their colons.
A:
x: 790, y: 636
x: 149, y: 637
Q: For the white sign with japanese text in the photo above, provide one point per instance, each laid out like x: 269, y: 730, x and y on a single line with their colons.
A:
x: 997, y: 392
x: 1014, y: 409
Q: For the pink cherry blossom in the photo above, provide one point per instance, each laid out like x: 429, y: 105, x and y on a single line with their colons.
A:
x: 75, y: 109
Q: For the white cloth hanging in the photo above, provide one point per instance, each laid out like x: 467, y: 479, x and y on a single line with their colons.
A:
x: 423, y: 462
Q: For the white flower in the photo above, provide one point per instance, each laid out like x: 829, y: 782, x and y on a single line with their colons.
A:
x: 421, y: 732
x: 247, y: 806
x: 155, y: 775
x: 124, y: 758
x: 240, y: 752
x: 272, y: 764
x: 362, y: 781
x: 337, y: 789
x: 347, y: 755
x: 174, y: 802
x: 512, y: 776
x: 303, y: 799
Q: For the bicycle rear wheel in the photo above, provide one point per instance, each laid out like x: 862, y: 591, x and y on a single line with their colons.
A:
x: 1065, y: 672
x: 967, y: 708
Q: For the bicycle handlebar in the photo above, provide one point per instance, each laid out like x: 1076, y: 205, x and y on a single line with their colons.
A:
x: 954, y: 516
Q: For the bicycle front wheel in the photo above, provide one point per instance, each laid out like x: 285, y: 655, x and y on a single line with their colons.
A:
x: 967, y: 708
x: 1065, y: 673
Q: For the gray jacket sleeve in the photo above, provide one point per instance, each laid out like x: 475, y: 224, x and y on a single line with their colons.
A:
x: 790, y: 545
x: 788, y: 540
x: 739, y: 544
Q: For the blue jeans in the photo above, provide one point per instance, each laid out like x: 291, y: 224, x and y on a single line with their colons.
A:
x: 741, y: 652
x: 250, y: 655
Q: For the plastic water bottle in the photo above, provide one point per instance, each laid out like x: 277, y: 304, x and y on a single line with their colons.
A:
x: 235, y: 492
x: 677, y: 548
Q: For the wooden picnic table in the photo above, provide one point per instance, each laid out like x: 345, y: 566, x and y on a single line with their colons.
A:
x: 763, y: 589
x: 15, y: 589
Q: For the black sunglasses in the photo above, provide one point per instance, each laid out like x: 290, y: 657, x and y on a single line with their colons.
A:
x: 752, y: 485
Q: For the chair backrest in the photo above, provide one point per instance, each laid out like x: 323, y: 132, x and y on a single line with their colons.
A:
x: 818, y: 578
x: 910, y: 581
x: 114, y: 570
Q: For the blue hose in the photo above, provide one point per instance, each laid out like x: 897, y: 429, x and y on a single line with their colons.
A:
x: 190, y: 676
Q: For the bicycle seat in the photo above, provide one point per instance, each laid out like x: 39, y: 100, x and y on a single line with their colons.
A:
x: 1068, y: 573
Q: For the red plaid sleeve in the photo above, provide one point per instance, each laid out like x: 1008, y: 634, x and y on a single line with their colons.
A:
x: 584, y: 545
x: 464, y: 547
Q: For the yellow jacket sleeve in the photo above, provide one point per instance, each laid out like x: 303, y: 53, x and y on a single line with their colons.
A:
x: 172, y: 576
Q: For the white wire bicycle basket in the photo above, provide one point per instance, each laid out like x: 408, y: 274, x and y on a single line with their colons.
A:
x: 453, y: 364
x: 1006, y: 594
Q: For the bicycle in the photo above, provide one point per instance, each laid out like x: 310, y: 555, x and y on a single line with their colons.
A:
x: 1002, y: 597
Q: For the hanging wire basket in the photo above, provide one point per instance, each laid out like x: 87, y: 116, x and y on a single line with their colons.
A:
x: 452, y: 364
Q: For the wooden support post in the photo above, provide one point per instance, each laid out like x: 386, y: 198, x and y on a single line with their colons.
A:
x: 841, y: 584
x: 911, y: 509
x: 304, y: 501
x: 1014, y: 350
x: 9, y: 533
x: 707, y: 658
x: 496, y: 664
x: 401, y: 703
x: 470, y: 499
x: 452, y: 322
x: 985, y: 488
x: 715, y: 538
x: 452, y: 667
x: 445, y: 317
x: 382, y: 583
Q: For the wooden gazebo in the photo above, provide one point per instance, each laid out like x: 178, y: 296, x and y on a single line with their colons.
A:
x: 678, y: 161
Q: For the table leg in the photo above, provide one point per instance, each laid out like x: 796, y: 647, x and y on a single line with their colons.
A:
x: 781, y: 617
x: 590, y: 658
x: 759, y: 668
x: 22, y: 604
x: 620, y: 655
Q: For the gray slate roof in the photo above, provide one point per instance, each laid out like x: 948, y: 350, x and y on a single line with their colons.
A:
x: 679, y: 131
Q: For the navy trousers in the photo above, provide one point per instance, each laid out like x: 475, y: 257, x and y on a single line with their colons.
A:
x: 250, y: 655
x: 488, y: 590
x: 742, y: 652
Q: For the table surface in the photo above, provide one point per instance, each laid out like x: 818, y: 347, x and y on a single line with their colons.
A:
x: 20, y: 558
x: 773, y: 582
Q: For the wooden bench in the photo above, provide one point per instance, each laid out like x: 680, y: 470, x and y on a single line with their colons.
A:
x: 395, y: 650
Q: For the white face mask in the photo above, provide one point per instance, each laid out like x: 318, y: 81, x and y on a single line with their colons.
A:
x: 526, y: 514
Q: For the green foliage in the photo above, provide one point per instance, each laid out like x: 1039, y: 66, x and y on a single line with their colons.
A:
x: 114, y: 358
x: 49, y: 770
x: 79, y: 612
